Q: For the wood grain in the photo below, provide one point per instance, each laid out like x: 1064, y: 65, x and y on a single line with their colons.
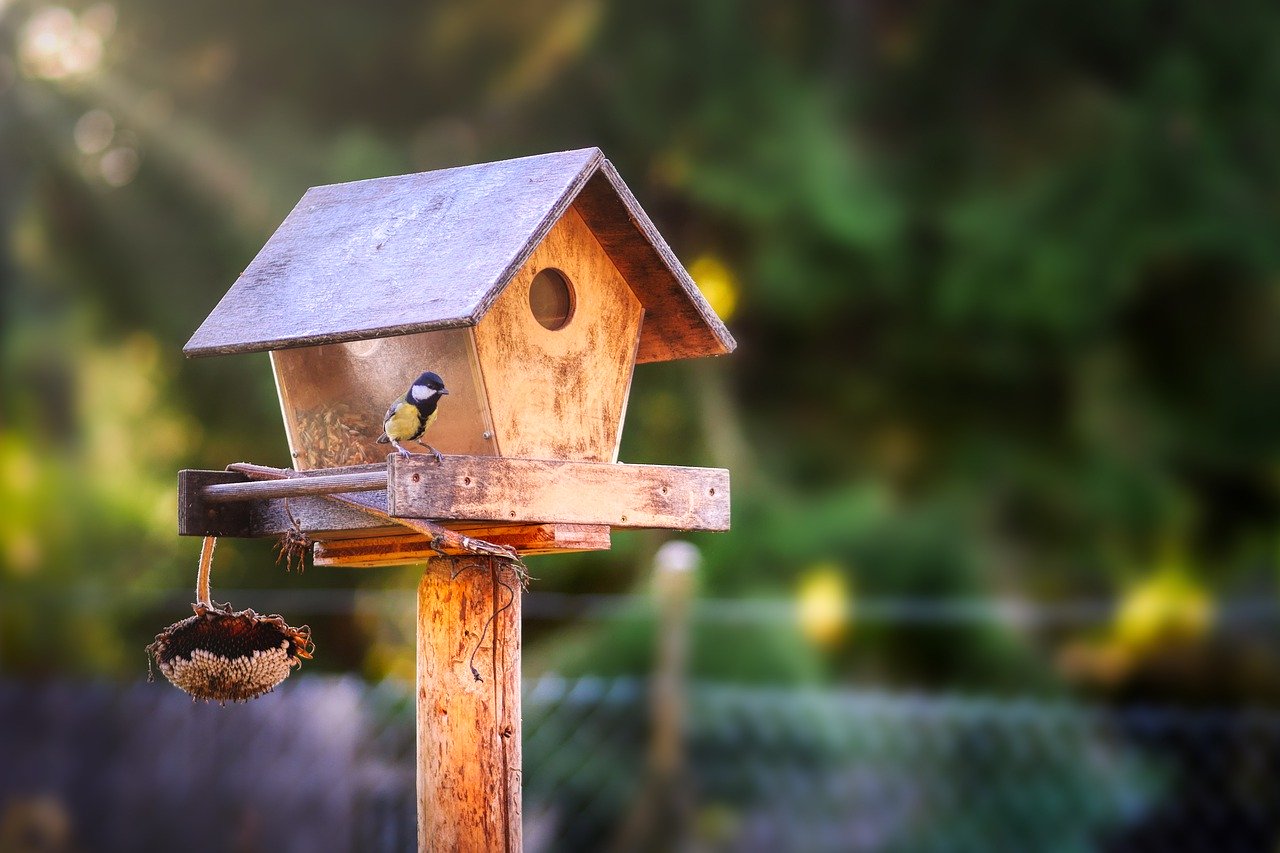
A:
x: 198, y: 517
x: 330, y: 484
x: 472, y: 494
x: 543, y: 491
x: 527, y: 539
x: 469, y: 750
x: 561, y: 394
x: 319, y: 518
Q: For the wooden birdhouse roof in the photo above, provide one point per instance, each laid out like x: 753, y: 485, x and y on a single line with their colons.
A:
x: 433, y: 250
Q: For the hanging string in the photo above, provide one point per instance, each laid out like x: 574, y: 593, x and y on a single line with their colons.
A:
x: 497, y: 577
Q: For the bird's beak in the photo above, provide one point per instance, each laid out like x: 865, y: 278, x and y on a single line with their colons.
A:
x: 444, y: 391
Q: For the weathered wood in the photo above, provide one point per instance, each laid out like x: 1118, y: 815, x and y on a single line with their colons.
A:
x: 544, y: 491
x: 414, y: 253
x: 318, y: 518
x: 561, y: 394
x: 470, y: 495
x: 393, y: 255
x: 443, y: 539
x: 267, y: 489
x: 399, y: 549
x: 469, y: 753
x: 198, y: 517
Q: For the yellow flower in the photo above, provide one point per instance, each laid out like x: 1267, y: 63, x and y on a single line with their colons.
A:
x: 1166, y: 606
x: 823, y: 604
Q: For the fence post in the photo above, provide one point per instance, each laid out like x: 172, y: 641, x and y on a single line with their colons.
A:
x: 468, y: 703
x: 661, y: 817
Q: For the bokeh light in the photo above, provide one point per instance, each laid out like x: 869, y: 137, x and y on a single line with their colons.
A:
x: 119, y: 166
x: 823, y: 604
x: 94, y: 131
x: 718, y: 284
x: 1166, y: 606
x: 54, y: 44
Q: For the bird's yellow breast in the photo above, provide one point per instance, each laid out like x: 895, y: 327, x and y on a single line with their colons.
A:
x: 404, y: 423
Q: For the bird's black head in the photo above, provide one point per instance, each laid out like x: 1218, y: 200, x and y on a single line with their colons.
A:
x: 427, y: 386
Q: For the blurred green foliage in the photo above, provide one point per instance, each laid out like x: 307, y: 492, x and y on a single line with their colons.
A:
x: 1007, y: 310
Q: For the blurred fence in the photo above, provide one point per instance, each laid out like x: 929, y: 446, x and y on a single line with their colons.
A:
x: 327, y: 764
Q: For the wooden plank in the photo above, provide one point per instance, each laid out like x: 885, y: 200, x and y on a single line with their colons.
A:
x: 473, y: 493
x: 198, y: 517
x: 544, y: 491
x: 319, y: 518
x: 398, y: 550
x: 468, y: 707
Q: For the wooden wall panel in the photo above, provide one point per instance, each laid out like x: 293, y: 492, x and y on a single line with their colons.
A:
x: 562, y: 394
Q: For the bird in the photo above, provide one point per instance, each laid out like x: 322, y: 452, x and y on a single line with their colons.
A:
x: 410, y: 415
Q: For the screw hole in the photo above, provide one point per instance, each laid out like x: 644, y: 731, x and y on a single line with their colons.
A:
x: 713, y: 491
x: 466, y: 481
x: 417, y: 477
x: 513, y: 513
x: 664, y: 490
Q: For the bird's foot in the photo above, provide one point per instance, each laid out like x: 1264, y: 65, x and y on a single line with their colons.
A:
x: 434, y: 452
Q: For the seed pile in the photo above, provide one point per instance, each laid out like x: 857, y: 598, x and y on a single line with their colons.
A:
x: 337, y: 436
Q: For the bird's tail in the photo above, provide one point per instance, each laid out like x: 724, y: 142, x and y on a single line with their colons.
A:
x: 383, y: 439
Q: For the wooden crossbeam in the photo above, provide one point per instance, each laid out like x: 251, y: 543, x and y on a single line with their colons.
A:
x: 558, y: 492
x: 477, y: 492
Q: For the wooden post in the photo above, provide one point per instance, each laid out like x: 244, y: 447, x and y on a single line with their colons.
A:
x: 468, y: 729
x: 662, y: 815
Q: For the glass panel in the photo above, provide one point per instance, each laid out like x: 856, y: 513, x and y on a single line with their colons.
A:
x: 333, y: 397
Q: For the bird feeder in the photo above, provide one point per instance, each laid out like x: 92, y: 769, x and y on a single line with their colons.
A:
x: 533, y: 287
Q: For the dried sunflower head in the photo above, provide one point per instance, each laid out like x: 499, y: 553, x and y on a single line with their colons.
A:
x: 223, y: 655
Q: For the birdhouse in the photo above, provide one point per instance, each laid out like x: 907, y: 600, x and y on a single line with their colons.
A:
x: 531, y: 286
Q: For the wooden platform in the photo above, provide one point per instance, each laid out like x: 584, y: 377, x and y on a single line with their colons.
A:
x: 535, y: 506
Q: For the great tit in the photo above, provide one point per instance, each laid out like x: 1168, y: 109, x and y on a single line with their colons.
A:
x: 409, y: 416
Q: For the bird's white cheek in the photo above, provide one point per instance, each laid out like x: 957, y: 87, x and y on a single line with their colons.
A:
x: 420, y: 392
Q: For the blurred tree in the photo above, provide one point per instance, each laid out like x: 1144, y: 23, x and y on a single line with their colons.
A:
x: 1005, y: 277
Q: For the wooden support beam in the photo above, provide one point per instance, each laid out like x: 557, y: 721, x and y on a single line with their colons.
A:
x: 484, y: 493
x: 469, y: 719
x: 549, y: 491
x: 318, y: 517
x: 198, y: 517
x: 400, y: 549
x: 330, y: 484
